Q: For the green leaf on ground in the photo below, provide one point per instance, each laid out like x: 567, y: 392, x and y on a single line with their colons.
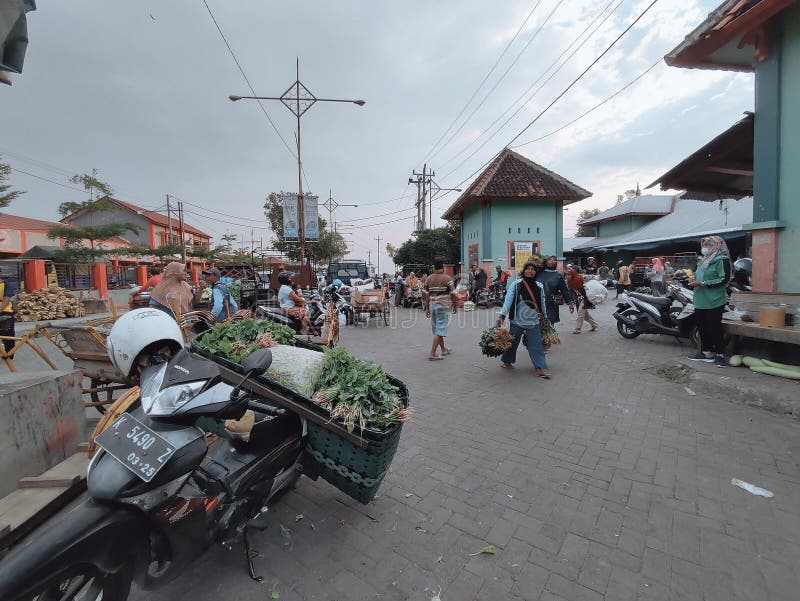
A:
x: 275, y: 593
x: 490, y: 550
x: 285, y: 532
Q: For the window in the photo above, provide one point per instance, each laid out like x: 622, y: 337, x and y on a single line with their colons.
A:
x: 519, y: 230
x: 529, y: 230
x: 509, y: 230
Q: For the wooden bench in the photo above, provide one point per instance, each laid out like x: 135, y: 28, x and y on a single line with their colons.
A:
x: 750, y: 303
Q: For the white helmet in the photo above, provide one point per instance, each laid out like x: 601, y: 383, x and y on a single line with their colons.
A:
x: 138, y: 330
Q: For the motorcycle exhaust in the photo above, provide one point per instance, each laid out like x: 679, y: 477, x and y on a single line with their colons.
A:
x: 631, y: 323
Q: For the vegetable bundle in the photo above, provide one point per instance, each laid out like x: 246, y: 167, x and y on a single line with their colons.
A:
x: 495, y: 341
x: 358, y: 393
x: 236, y: 340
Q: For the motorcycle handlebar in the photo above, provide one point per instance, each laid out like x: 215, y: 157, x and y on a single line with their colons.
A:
x: 267, y: 409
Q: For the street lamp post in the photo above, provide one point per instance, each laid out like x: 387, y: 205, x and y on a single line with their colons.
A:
x: 332, y: 205
x: 298, y: 99
x: 435, y: 189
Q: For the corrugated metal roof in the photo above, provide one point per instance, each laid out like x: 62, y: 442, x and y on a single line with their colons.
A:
x: 571, y: 243
x: 647, y: 204
x: 689, y: 219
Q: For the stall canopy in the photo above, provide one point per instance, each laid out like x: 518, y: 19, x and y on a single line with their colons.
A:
x: 723, y: 168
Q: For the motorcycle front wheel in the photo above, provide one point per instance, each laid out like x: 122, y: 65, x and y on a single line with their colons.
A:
x: 624, y: 330
x: 83, y: 583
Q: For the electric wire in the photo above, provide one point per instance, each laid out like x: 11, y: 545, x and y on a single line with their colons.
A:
x: 595, y: 107
x: 561, y: 95
x: 489, y: 93
x: 485, y: 78
x: 535, y: 92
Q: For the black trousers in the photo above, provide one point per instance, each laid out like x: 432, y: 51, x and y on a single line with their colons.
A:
x: 710, y: 322
x: 7, y: 329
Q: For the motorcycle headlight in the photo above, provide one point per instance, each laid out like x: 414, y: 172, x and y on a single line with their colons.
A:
x: 150, y: 384
x: 171, y: 399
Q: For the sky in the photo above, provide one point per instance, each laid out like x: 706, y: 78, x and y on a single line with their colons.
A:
x: 140, y: 93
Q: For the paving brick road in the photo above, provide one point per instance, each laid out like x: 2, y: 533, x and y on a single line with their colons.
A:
x: 606, y: 482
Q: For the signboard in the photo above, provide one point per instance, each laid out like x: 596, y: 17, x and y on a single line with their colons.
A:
x: 311, y: 216
x: 290, y: 218
x: 522, y: 252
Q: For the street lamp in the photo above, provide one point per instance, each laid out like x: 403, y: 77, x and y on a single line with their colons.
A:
x: 435, y: 189
x: 332, y: 205
x: 298, y: 99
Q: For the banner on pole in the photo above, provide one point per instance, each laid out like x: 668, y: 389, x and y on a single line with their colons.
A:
x: 290, y: 227
x: 311, y: 216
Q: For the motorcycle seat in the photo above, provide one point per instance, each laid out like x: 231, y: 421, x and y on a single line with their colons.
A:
x: 656, y: 301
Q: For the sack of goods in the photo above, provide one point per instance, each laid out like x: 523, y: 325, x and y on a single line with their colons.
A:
x: 595, y: 292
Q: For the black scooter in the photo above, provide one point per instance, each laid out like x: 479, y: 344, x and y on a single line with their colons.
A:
x: 160, y: 492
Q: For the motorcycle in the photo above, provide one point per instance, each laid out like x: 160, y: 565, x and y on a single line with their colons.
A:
x: 340, y: 297
x: 413, y: 297
x: 481, y: 297
x: 160, y: 492
x: 646, y: 314
x: 496, y: 295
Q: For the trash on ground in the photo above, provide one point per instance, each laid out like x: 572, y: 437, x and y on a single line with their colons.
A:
x: 752, y: 488
x: 689, y: 391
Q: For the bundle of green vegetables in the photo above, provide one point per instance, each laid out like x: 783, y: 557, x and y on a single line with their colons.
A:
x: 236, y: 340
x: 358, y: 393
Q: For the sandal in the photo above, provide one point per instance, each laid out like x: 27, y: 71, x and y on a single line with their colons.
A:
x: 506, y: 365
x: 576, y: 331
x: 434, y: 359
x: 447, y: 352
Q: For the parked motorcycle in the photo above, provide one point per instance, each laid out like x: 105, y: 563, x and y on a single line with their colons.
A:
x: 481, y: 298
x: 672, y: 315
x: 159, y: 491
x: 496, y: 295
x: 340, y: 297
x: 413, y: 297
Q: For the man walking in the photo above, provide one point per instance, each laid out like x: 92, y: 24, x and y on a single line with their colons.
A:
x: 440, y: 298
x: 555, y: 289
x: 623, y: 278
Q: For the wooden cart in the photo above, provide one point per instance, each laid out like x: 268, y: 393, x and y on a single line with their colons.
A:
x: 86, y: 346
x: 374, y: 302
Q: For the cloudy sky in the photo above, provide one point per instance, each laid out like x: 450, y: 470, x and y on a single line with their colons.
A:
x: 140, y: 92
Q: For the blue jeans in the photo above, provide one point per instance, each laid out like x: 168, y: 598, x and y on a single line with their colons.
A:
x: 535, y: 347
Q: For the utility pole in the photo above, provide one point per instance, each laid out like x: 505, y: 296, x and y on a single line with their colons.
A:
x: 180, y: 221
x: 378, y: 268
x: 369, y: 260
x: 169, y: 223
x: 423, y: 181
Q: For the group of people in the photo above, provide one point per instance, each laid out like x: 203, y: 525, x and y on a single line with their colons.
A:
x: 171, y: 289
x: 532, y: 300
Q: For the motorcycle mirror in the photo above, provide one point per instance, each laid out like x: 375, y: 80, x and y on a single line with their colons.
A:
x: 258, y: 361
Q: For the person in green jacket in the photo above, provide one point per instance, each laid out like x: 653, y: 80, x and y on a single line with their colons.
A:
x: 712, y: 274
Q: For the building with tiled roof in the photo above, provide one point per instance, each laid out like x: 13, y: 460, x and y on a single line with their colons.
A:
x: 513, y: 209
x: 153, y: 227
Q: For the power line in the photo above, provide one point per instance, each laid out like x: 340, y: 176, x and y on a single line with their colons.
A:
x: 596, y: 106
x: 489, y: 93
x: 247, y: 81
x: 530, y: 87
x: 358, y: 227
x: 567, y: 89
x: 47, y: 179
x: 486, y: 77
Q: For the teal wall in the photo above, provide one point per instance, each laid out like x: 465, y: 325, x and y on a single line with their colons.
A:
x: 789, y: 154
x: 528, y: 221
x: 471, y: 232
x: 623, y: 225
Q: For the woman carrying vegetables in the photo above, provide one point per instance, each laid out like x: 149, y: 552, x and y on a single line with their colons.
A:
x: 709, y: 280
x: 523, y: 306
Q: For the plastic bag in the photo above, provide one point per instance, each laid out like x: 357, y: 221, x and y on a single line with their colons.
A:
x: 297, y: 369
x: 595, y: 292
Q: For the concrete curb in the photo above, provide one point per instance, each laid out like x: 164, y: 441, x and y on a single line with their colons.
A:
x: 741, y: 385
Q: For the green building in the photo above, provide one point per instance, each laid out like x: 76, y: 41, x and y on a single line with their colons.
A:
x: 512, y: 210
x: 761, y: 37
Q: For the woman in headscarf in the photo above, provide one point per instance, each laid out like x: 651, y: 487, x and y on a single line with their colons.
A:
x: 172, y: 288
x: 712, y: 274
x: 656, y: 274
x: 524, y: 304
x: 575, y: 283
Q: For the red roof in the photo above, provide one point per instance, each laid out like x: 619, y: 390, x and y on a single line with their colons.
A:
x: 153, y: 216
x: 512, y: 176
x: 15, y: 222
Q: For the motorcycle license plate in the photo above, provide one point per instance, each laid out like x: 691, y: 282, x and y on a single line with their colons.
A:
x: 135, y: 446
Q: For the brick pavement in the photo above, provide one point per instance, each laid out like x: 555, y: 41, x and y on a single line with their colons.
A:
x: 606, y: 482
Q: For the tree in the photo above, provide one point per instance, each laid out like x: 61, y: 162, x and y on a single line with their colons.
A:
x: 391, y: 250
x: 437, y: 242
x: 227, y: 241
x: 329, y: 246
x: 586, y: 231
x: 6, y: 194
x: 628, y: 194
x: 75, y: 237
